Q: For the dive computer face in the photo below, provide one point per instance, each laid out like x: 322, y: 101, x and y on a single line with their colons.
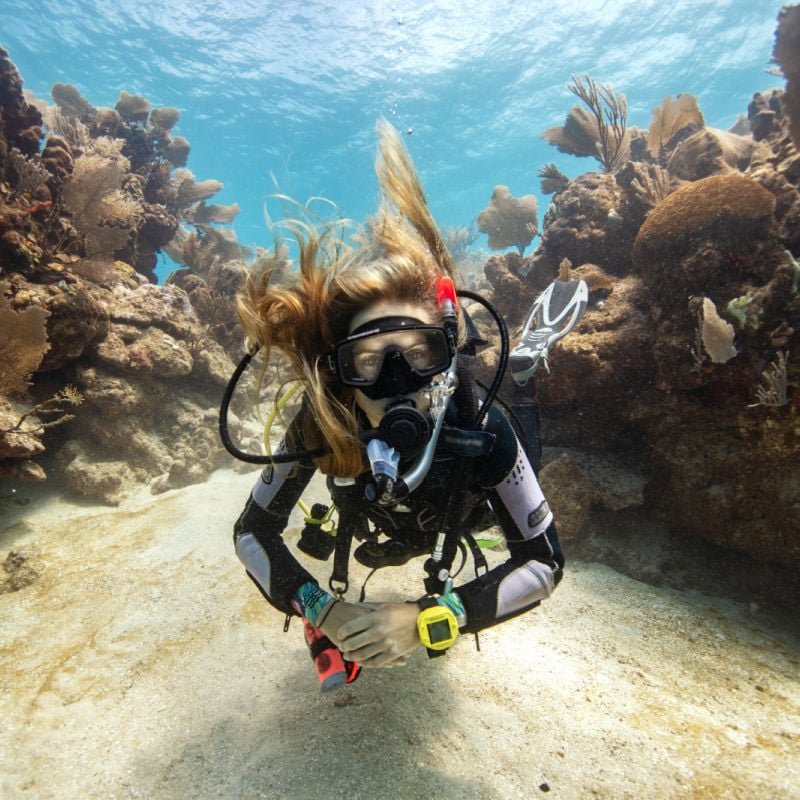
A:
x: 437, y: 627
x: 439, y: 632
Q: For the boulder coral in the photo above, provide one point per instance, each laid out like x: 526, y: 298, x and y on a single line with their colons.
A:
x: 727, y: 220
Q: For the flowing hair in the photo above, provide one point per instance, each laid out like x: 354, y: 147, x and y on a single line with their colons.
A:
x: 398, y: 256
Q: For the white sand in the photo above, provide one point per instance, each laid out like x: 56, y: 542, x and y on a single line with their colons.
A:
x: 143, y: 663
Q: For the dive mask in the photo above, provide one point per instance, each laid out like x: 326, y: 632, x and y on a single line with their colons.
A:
x: 391, y: 356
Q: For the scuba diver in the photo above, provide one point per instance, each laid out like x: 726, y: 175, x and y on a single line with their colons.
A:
x: 417, y: 455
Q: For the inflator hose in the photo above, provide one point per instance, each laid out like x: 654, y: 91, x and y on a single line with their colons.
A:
x: 502, y: 329
x: 252, y: 458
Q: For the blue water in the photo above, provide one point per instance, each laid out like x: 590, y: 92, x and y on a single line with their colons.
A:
x: 286, y: 94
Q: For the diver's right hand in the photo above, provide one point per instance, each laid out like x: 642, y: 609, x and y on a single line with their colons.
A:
x: 340, y: 613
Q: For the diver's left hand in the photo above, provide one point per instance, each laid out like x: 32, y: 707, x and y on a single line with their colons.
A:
x: 383, y: 637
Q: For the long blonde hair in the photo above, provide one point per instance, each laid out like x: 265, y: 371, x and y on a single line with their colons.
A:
x: 398, y: 256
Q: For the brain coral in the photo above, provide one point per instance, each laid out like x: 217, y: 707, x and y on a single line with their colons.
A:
x: 709, y: 233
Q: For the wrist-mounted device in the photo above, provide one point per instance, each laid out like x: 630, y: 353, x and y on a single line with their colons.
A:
x: 437, y: 626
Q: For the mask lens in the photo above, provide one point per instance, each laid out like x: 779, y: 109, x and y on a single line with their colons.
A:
x: 361, y: 358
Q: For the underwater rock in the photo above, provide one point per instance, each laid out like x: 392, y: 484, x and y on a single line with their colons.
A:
x: 20, y: 122
x: 579, y: 225
x: 127, y: 348
x: 156, y: 349
x: 570, y: 494
x: 787, y: 54
x: 213, y: 365
x: 148, y: 305
x: 20, y: 569
x: 112, y: 395
x: 714, y: 442
x: 615, y: 485
x: 512, y: 295
x: 104, y: 192
x: 710, y: 152
x: 730, y: 474
x: 75, y: 318
x: 192, y: 462
x: 608, y: 354
x: 76, y: 321
x: 107, y: 481
x: 19, y: 439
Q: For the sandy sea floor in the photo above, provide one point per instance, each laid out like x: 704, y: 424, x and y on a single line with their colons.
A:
x: 142, y: 663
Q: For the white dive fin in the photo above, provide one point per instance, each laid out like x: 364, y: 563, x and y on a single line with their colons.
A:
x: 554, y: 314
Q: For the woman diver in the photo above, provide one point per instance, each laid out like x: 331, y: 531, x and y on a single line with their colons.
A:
x: 390, y: 415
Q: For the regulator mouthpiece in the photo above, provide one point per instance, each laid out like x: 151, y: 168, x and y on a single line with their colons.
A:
x: 405, y: 428
x: 383, y: 461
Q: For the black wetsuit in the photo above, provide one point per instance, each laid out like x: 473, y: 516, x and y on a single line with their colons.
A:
x: 502, y: 476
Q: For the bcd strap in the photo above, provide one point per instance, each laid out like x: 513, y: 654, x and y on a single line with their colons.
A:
x: 469, y: 444
x: 478, y: 558
x: 339, y: 580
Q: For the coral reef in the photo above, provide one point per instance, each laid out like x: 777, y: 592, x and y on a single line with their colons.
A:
x: 686, y: 364
x: 129, y: 372
x: 685, y: 368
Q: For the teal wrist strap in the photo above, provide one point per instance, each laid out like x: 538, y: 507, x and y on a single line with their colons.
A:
x: 452, y: 601
x: 312, y: 599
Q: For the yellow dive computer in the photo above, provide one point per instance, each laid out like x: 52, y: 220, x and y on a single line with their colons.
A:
x: 437, y: 626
